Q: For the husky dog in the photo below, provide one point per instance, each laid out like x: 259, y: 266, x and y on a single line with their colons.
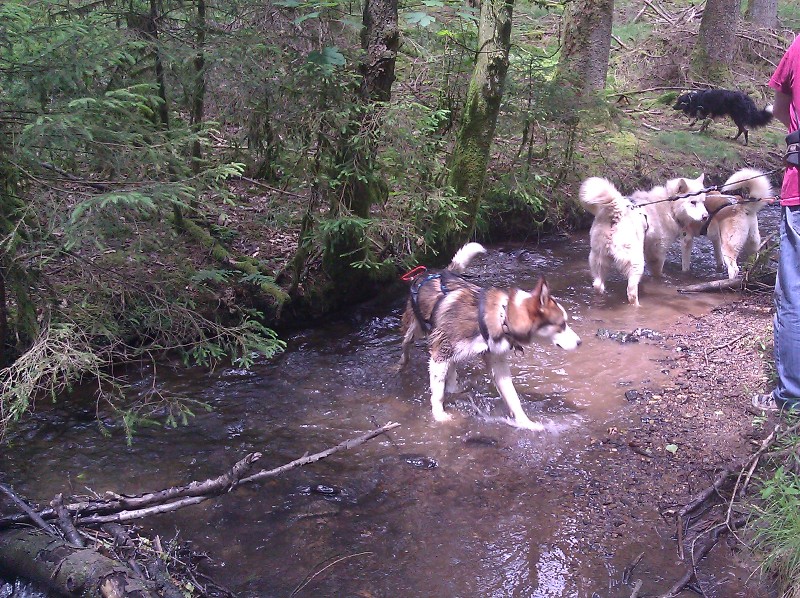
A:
x: 732, y: 225
x: 462, y: 320
x: 629, y: 232
x: 710, y: 103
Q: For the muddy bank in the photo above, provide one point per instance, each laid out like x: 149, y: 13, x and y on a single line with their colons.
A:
x: 674, y: 438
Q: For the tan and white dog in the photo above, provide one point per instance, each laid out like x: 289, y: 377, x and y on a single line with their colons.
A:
x: 733, y: 224
x: 629, y: 232
x: 462, y: 320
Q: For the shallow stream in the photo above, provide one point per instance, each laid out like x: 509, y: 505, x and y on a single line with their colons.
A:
x: 470, y: 508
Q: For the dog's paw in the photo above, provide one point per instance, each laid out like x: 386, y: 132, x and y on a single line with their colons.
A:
x: 442, y: 417
x: 529, y: 425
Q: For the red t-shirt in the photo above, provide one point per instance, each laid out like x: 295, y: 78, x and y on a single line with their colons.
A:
x: 786, y: 79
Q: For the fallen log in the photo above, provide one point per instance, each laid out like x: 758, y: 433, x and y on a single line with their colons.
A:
x: 714, y: 285
x: 67, y: 570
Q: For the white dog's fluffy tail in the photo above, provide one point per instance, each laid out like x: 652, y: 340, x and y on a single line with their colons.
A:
x: 597, y: 193
x: 756, y: 183
x: 464, y: 256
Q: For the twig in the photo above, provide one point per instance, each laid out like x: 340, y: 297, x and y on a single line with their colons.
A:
x: 33, y: 515
x: 73, y: 178
x: 707, y: 350
x: 626, y: 574
x: 713, y: 285
x: 691, y: 571
x: 310, y: 577
x: 660, y: 12
x: 271, y: 188
x: 347, y: 444
x: 619, y: 41
x: 65, y: 522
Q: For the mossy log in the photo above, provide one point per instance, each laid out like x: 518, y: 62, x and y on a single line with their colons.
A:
x: 69, y: 571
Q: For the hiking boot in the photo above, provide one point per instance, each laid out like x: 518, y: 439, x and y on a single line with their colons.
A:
x: 765, y: 402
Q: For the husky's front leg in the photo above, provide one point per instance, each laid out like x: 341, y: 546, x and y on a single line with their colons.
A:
x: 438, y: 372
x: 501, y: 374
x: 687, y: 241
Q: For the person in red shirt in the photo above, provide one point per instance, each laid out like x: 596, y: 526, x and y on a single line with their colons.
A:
x: 786, y: 324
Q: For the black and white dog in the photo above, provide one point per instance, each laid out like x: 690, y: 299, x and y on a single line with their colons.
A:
x: 710, y: 103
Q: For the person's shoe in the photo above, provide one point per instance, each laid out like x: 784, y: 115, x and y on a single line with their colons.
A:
x: 765, y: 402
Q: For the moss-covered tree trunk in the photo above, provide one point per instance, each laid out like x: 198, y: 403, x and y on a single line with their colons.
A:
x: 716, y: 41
x: 362, y: 186
x: 583, y: 63
x: 67, y: 570
x: 471, y: 154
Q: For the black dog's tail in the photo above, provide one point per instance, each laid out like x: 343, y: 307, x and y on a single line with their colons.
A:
x: 759, y: 118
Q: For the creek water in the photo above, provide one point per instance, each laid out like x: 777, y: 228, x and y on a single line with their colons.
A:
x: 472, y: 507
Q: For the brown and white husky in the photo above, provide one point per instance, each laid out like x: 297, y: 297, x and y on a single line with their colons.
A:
x: 463, y: 320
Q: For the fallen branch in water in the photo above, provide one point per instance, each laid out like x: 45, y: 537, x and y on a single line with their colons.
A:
x: 67, y: 567
x: 117, y: 507
x: 743, y: 469
x: 725, y: 284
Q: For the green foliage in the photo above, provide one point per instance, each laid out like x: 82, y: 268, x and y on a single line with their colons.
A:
x: 777, y: 530
x: 91, y: 173
x: 632, y: 32
x: 514, y: 208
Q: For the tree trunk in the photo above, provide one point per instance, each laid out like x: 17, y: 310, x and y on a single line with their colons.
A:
x: 583, y: 64
x: 152, y: 31
x: 471, y: 154
x: 199, y: 91
x: 716, y: 41
x: 380, y: 39
x: 363, y: 187
x: 763, y: 13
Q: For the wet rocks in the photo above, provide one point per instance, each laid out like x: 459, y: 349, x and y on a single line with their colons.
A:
x: 421, y: 461
x: 629, y: 337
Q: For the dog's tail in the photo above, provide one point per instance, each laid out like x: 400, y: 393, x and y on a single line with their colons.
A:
x: 759, y: 118
x: 755, y: 182
x: 464, y: 256
x: 597, y: 193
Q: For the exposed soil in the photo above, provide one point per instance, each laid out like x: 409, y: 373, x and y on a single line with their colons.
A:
x: 717, y: 362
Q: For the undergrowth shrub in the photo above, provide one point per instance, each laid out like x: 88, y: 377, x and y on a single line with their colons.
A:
x: 776, y: 532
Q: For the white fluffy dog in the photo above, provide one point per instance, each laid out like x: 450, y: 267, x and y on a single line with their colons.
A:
x: 628, y: 233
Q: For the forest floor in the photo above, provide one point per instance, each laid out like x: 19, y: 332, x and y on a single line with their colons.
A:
x: 716, y: 363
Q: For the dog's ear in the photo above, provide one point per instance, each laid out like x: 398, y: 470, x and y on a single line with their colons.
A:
x: 542, y: 291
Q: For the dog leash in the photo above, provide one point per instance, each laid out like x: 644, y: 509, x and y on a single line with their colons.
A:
x: 714, y: 188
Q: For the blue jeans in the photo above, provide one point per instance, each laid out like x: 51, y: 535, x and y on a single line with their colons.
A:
x: 786, y: 323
